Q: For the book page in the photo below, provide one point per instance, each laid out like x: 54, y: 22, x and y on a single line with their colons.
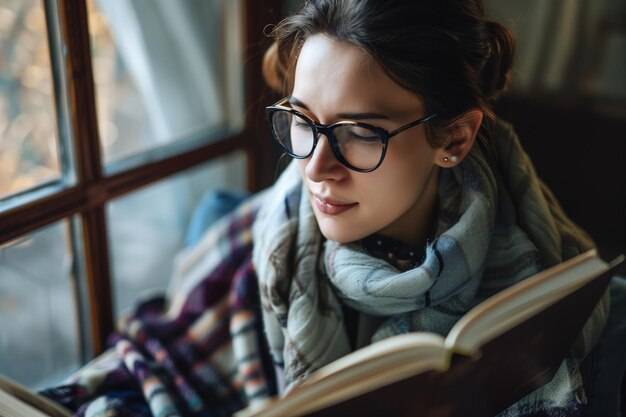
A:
x: 386, y: 353
x: 11, y: 406
x: 374, y: 366
x: 18, y: 401
x: 513, y: 305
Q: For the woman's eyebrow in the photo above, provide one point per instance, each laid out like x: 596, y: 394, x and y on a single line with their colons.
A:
x: 360, y: 116
x: 352, y: 116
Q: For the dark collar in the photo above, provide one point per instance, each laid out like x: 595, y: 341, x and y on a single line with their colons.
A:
x: 399, y: 254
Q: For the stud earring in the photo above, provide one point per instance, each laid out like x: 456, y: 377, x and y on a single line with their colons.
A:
x: 454, y: 159
x: 446, y: 159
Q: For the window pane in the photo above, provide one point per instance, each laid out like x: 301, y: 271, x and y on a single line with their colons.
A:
x: 165, y: 72
x: 29, y: 152
x: 39, y: 326
x: 147, y: 228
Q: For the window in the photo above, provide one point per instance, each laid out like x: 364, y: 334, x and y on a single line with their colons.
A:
x: 147, y: 228
x: 30, y: 146
x: 39, y: 313
x: 115, y: 118
x: 165, y: 73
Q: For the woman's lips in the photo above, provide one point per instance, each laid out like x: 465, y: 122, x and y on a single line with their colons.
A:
x: 331, y: 207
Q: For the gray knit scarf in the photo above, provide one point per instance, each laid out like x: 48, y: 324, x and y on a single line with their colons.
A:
x: 497, y: 224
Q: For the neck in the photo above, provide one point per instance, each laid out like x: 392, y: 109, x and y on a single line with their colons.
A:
x: 416, y: 224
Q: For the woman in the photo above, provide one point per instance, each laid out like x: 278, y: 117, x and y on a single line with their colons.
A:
x: 458, y: 220
x: 408, y: 203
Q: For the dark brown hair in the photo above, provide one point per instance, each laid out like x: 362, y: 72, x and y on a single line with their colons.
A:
x: 443, y: 50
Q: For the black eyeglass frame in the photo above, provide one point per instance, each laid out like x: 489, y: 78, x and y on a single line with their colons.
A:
x: 327, y: 130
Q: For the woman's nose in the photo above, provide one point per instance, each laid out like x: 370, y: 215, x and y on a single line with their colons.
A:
x: 322, y: 165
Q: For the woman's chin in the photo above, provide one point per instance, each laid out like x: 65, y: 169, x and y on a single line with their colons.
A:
x: 335, y: 231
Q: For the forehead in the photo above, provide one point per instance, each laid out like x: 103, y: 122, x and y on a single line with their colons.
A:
x: 337, y: 76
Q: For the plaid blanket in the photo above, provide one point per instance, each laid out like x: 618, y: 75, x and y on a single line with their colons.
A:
x: 199, y: 354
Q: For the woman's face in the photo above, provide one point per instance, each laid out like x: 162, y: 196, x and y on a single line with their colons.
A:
x: 337, y: 81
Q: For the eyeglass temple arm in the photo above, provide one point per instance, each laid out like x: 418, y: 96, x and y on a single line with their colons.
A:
x: 415, y: 123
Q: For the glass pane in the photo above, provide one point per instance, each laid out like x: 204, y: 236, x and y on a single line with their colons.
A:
x: 165, y: 72
x: 29, y: 152
x: 39, y: 326
x: 147, y: 228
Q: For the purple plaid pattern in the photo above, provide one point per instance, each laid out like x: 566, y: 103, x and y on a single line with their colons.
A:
x: 201, y: 353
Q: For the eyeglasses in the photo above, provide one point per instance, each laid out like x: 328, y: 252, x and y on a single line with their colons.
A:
x: 359, y: 146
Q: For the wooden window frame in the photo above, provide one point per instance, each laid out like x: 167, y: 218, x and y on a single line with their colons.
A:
x: 94, y: 189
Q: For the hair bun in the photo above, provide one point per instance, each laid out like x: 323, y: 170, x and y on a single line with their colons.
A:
x: 499, y: 60
x: 273, y: 71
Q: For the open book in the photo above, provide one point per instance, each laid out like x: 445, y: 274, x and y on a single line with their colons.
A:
x: 501, y: 350
x: 18, y: 401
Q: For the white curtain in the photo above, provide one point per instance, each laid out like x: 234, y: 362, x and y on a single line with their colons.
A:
x: 567, y: 44
x: 184, y: 59
x: 170, y: 50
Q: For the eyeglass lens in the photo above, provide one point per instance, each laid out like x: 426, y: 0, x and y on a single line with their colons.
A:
x: 359, y: 146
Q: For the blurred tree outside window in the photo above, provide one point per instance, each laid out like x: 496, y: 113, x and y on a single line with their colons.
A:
x: 29, y: 147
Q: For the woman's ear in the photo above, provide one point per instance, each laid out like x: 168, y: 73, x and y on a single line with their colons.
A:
x: 461, y: 136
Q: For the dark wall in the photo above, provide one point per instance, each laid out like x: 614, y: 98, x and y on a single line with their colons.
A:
x: 579, y: 150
